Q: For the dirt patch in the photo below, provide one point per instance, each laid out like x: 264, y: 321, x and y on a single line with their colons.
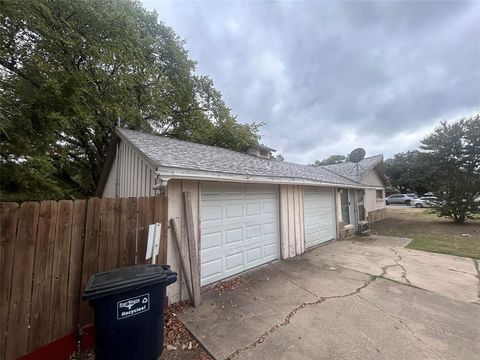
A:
x: 431, y: 233
x: 178, y: 343
x: 229, y: 285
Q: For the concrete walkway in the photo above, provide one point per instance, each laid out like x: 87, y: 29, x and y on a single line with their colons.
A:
x: 368, y: 298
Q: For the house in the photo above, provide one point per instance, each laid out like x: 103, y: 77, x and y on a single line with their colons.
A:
x: 248, y: 209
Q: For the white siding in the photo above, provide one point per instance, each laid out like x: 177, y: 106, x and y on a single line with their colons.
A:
x: 130, y: 175
x: 371, y: 202
x: 292, y: 231
x: 372, y: 178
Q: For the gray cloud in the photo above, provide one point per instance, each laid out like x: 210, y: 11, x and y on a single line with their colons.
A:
x: 326, y: 77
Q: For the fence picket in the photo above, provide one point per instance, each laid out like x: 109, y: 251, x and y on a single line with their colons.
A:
x: 61, y: 259
x: 49, y: 250
x: 19, y: 313
x: 131, y: 235
x: 8, y: 231
x: 75, y: 269
x: 44, y: 254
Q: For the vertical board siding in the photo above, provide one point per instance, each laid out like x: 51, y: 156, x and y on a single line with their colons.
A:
x: 49, y: 250
x: 292, y: 229
x: 136, y: 176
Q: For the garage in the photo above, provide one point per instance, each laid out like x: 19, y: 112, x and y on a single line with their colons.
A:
x: 319, y: 215
x: 239, y: 228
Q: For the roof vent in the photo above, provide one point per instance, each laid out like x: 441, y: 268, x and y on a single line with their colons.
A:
x: 260, y: 151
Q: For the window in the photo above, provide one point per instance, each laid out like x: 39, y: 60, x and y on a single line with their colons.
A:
x: 379, y: 194
x: 345, y: 206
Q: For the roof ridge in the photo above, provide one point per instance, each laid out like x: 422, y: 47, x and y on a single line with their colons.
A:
x: 209, y: 146
x: 188, y: 142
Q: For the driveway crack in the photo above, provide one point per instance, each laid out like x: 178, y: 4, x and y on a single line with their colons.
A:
x: 409, y: 329
x: 397, y: 262
x: 292, y: 313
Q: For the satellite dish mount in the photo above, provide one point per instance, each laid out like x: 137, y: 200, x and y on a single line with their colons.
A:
x: 356, y: 156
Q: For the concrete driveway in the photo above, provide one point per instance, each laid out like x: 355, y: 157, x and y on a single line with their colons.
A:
x: 368, y: 298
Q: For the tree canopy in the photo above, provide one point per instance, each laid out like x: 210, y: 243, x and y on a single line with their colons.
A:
x: 454, y: 152
x: 332, y: 159
x: 446, y: 163
x: 71, y: 70
x: 411, y: 171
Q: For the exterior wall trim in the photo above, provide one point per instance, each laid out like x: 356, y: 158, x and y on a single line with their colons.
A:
x: 167, y: 173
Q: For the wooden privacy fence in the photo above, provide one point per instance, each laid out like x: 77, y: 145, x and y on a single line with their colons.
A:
x: 48, y: 251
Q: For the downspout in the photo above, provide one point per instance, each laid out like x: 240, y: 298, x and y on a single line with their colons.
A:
x: 161, y: 183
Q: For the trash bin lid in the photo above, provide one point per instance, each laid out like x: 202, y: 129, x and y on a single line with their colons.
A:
x: 125, y: 279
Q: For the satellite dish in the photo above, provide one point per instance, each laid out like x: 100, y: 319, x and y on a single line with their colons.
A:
x: 356, y: 155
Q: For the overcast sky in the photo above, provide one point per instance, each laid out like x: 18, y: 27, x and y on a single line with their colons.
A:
x: 326, y: 77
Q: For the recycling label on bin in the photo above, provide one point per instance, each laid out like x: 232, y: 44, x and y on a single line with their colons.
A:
x: 133, y: 306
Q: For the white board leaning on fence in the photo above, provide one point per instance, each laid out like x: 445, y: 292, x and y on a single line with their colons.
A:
x: 154, y: 231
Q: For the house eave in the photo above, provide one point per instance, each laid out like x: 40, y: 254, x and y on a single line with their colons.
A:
x: 168, y: 173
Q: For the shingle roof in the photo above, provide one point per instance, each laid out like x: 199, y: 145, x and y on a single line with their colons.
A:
x: 173, y: 153
x: 351, y: 171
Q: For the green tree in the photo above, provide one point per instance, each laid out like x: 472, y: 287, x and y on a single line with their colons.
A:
x: 454, y: 152
x: 332, y: 159
x: 411, y: 171
x: 71, y: 70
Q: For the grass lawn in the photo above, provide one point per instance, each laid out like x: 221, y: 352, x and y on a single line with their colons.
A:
x: 431, y: 233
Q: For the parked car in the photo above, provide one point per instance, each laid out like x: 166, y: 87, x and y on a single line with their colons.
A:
x: 425, y: 201
x: 399, y: 199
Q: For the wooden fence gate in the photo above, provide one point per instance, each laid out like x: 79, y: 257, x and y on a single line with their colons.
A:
x: 48, y: 251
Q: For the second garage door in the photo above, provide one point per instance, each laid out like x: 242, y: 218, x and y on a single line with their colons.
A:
x: 239, y: 228
x: 319, y: 216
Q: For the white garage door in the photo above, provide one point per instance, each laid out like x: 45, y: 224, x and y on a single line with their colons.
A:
x: 239, y: 227
x: 319, y: 215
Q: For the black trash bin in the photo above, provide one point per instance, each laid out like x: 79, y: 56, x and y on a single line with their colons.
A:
x: 128, y: 304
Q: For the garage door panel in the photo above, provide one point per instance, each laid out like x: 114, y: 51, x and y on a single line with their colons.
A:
x: 212, y: 212
x: 233, y: 236
x: 269, y: 207
x: 253, y: 209
x: 270, y: 228
x: 233, y: 211
x: 234, y: 260
x: 319, y: 216
x: 253, y: 231
x: 212, y: 240
x: 254, y: 254
x: 211, y: 268
x: 270, y: 251
x: 239, y: 229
